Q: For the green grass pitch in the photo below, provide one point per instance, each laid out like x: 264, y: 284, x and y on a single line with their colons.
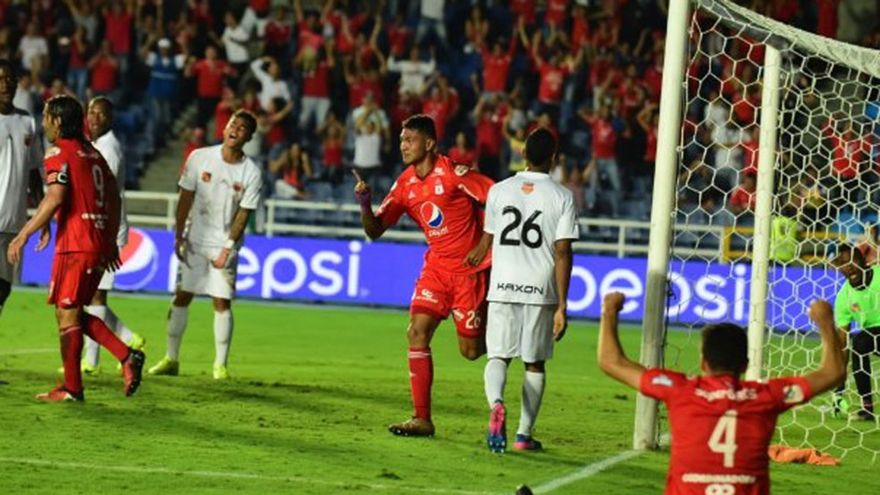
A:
x: 313, y: 389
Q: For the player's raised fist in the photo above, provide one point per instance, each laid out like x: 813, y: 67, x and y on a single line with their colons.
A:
x: 613, y: 301
x: 821, y: 310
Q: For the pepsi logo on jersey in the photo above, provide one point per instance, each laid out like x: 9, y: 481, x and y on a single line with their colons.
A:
x: 432, y: 215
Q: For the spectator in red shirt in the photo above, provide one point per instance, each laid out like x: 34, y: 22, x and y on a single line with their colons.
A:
x: 104, y: 72
x: 278, y: 34
x: 553, y: 73
x: 461, y: 153
x: 489, y: 138
x: 438, y: 108
x: 742, y: 199
x: 332, y: 135
x: 604, y: 154
x: 496, y: 65
x: 556, y: 13
x: 77, y: 68
x: 292, y: 169
x: 195, y: 138
x: 827, y: 25
x: 209, y: 73
x: 223, y: 112
x: 118, y: 22
x: 316, y: 86
x: 648, y: 120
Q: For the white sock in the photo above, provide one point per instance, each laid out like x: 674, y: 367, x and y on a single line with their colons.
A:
x: 177, y: 317
x: 532, y: 394
x: 495, y: 378
x: 123, y: 332
x: 222, y: 335
x: 91, y: 349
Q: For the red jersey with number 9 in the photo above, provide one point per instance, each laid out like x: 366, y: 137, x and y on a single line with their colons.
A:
x: 84, y: 220
x: 721, y: 428
x: 446, y: 205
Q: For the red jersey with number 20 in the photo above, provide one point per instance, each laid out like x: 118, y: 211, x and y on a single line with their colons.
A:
x: 84, y: 220
x: 721, y: 428
x: 445, y: 204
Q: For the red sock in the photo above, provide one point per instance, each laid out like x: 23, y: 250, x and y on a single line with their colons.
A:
x: 421, y: 376
x: 71, y: 353
x: 101, y: 333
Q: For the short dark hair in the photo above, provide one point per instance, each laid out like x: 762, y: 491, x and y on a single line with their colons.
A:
x: 9, y: 66
x: 854, y: 254
x: 540, y: 147
x: 102, y: 100
x: 248, y: 117
x: 70, y: 111
x: 421, y: 123
x: 726, y: 348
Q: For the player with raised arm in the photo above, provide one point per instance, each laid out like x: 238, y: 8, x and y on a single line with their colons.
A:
x: 82, y: 191
x: 530, y: 225
x: 858, y: 301
x: 219, y: 190
x: 443, y: 198
x: 19, y: 172
x: 99, y: 117
x: 721, y: 426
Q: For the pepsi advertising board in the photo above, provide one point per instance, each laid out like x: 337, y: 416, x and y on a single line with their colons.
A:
x: 380, y: 273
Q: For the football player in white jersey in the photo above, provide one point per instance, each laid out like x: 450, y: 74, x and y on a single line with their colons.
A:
x: 99, y: 117
x: 20, y: 162
x: 219, y: 189
x: 530, y: 225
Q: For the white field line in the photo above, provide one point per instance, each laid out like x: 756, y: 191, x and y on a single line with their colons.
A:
x: 15, y: 352
x: 236, y: 476
x: 591, y: 469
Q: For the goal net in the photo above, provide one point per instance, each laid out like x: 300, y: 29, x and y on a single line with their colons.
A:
x: 752, y: 243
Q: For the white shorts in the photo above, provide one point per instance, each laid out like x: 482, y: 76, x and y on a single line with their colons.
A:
x: 7, y: 269
x: 107, y: 280
x: 200, y: 277
x: 520, y: 330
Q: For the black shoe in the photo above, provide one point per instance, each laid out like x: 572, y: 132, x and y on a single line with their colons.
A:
x: 132, y: 368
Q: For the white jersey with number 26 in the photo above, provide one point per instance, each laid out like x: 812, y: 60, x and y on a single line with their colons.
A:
x: 527, y: 214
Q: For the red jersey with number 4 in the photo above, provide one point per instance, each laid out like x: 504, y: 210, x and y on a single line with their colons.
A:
x: 84, y: 220
x: 721, y: 428
x: 446, y: 205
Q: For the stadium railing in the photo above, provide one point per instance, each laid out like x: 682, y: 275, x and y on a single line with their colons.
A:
x: 614, y: 236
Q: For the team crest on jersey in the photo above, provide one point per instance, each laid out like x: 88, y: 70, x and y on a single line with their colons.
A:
x: 461, y: 170
x: 237, y: 187
x: 432, y: 215
x: 855, y: 308
x: 793, y: 394
x: 206, y: 176
x: 528, y: 187
x: 28, y: 139
x: 438, y: 188
x: 661, y: 380
x: 411, y: 195
x: 439, y: 171
x: 52, y: 151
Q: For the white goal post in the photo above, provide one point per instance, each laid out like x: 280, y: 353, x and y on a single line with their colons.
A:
x: 748, y: 108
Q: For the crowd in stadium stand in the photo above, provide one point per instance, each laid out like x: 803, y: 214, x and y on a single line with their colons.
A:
x: 332, y: 81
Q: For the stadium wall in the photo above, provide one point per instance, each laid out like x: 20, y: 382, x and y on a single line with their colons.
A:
x: 382, y: 273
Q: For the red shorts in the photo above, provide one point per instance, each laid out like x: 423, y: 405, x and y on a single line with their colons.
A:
x: 75, y: 279
x: 439, y: 293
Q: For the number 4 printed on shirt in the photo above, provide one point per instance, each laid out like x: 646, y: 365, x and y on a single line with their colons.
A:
x: 723, y: 437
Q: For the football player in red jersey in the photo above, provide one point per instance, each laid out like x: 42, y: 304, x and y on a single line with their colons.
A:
x: 83, y: 196
x: 721, y: 426
x: 444, y: 199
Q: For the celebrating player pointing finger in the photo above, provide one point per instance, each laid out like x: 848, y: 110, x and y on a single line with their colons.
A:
x: 443, y: 199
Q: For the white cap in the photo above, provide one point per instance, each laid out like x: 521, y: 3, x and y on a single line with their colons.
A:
x: 164, y: 43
